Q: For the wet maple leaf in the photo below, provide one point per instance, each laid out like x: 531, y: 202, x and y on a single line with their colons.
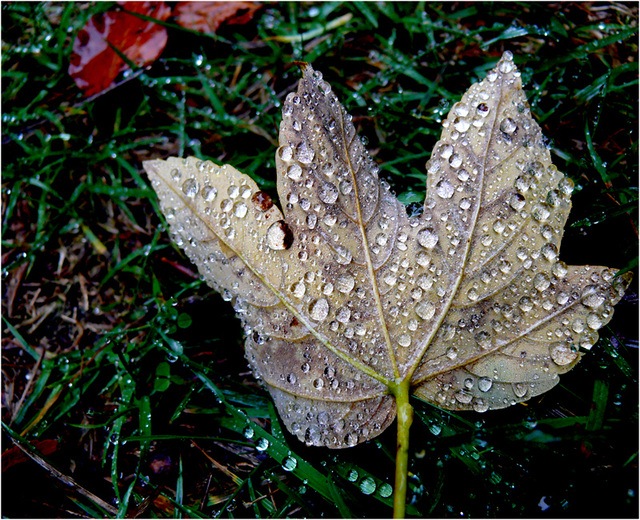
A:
x: 349, y: 304
x: 94, y: 65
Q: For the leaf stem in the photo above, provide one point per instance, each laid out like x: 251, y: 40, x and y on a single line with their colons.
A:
x: 404, y: 418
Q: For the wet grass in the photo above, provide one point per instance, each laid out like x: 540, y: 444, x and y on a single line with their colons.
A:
x: 124, y: 376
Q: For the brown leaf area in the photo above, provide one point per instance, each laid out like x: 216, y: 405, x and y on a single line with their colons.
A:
x: 343, y: 295
x: 206, y: 17
x: 94, y: 65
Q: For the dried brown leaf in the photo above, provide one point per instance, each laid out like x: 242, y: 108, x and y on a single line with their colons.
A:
x: 344, y: 296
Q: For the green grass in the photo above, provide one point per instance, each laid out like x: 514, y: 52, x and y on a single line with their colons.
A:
x: 113, y: 348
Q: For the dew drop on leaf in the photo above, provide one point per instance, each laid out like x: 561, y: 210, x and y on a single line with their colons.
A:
x: 279, y: 236
x: 562, y: 354
x: 444, y: 189
x: 367, y: 486
x: 289, y: 464
x: 319, y: 309
x: 190, y: 187
x: 262, y: 444
x: 427, y: 238
x: 508, y: 126
x: 385, y: 490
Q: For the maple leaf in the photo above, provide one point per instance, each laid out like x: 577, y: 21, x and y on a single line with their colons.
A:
x: 94, y: 65
x: 349, y: 304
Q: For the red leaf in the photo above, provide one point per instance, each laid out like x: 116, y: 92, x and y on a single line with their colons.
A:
x: 206, y: 17
x: 94, y: 64
x: 15, y: 455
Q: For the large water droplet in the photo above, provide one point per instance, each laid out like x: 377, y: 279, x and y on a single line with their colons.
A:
x: 591, y: 298
x: 541, y: 282
x: 328, y: 193
x: 426, y: 310
x: 294, y: 172
x: 508, y: 126
x: 240, y: 209
x: 305, y: 153
x: 562, y: 354
x: 289, y: 464
x: 385, y: 490
x: 404, y: 340
x: 368, y: 485
x: 517, y: 201
x: 208, y: 193
x: 345, y: 283
x: 279, y: 236
x: 190, y: 187
x: 351, y: 439
x: 427, y: 238
x: 352, y: 476
x: 319, y: 310
x: 484, y: 384
x: 262, y: 445
x: 461, y: 124
x: 444, y: 189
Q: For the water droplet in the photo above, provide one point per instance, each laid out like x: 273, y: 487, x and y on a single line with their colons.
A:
x: 562, y: 354
x: 289, y: 464
x: 566, y: 185
x: 352, y: 476
x: 484, y: 384
x: 279, y: 236
x: 190, y: 187
x: 541, y: 282
x: 519, y: 389
x: 455, y: 161
x: 345, y: 283
x: 508, y: 126
x: 305, y: 153
x: 208, y: 193
x: 294, y: 172
x: 351, y: 439
x: 525, y: 304
x: 480, y: 405
x: 368, y: 485
x: 404, y: 340
x: 261, y: 201
x: 240, y: 209
x: 248, y: 432
x: 594, y: 321
x: 319, y: 310
x: 591, y: 298
x: 472, y: 294
x: 483, y: 339
x: 291, y: 378
x: 550, y: 252
x: 483, y: 109
x: 517, y: 201
x: 426, y: 310
x: 461, y: 124
x: 286, y: 153
x: 464, y: 397
x: 385, y: 490
x: 444, y: 189
x: 427, y: 238
x: 452, y: 353
x: 328, y: 193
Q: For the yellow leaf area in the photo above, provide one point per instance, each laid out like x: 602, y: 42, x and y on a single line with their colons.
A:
x: 345, y: 298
